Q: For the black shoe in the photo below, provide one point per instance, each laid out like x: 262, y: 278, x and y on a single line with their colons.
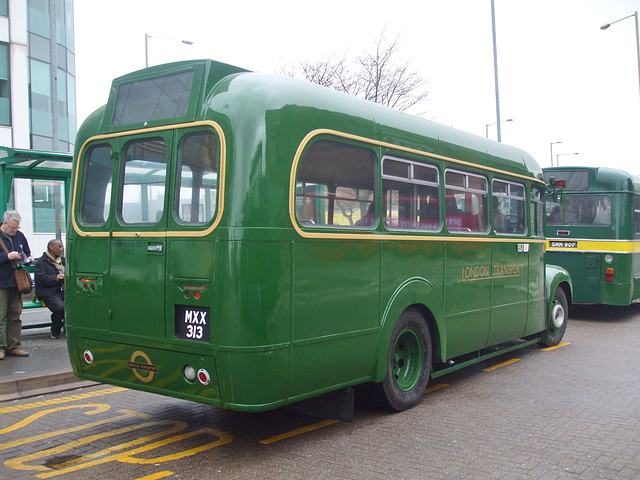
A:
x: 55, y: 336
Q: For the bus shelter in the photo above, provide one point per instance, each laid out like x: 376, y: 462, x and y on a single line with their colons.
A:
x: 34, y: 165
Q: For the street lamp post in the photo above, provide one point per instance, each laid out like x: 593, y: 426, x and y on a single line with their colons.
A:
x: 487, y: 125
x: 552, y: 144
x: 146, y: 45
x: 495, y: 71
x: 561, y: 154
x: 635, y: 14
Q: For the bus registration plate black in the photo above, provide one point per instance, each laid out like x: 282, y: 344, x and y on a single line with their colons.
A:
x: 193, y: 323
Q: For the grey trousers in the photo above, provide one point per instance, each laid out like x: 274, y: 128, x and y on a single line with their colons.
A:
x: 11, y: 308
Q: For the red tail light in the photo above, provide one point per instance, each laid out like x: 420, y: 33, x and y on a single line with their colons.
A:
x: 609, y: 275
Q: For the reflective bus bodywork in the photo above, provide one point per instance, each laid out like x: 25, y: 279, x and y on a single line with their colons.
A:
x: 250, y: 241
x: 594, y: 233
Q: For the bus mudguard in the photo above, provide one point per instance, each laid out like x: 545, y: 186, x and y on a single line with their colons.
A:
x: 419, y: 293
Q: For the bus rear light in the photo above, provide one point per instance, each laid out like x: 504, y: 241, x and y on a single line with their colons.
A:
x: 608, y: 258
x: 88, y: 357
x: 204, y: 377
x: 609, y: 275
x: 190, y: 373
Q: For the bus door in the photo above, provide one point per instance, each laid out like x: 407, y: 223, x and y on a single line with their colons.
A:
x: 138, y: 243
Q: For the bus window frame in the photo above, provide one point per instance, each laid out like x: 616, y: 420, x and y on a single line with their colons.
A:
x: 467, y: 190
x: 411, y: 179
x: 511, y: 196
x: 173, y: 229
x: 330, y: 196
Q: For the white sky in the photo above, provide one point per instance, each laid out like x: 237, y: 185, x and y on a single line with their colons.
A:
x: 561, y: 78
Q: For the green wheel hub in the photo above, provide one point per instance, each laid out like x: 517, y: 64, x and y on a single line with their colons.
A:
x: 407, y: 359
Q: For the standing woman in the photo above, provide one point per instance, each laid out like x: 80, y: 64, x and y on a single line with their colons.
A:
x: 49, y: 273
x: 10, y: 298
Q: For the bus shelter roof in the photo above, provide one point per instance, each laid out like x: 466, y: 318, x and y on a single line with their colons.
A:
x: 35, y: 163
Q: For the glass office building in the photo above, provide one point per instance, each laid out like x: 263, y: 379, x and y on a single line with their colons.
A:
x: 37, y: 102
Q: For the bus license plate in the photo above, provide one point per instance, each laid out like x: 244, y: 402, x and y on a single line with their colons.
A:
x: 193, y: 323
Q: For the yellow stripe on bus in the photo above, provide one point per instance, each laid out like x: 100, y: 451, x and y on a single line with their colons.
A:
x: 616, y: 246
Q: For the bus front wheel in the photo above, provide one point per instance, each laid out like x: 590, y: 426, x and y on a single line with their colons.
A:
x: 408, y: 362
x: 557, y: 321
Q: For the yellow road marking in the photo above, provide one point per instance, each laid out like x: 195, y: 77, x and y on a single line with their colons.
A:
x: 127, y: 457
x: 23, y: 441
x: 433, y: 388
x: 155, y: 476
x: 20, y: 463
x: 560, y: 345
x: 298, y: 431
x: 56, y: 401
x: 500, y: 365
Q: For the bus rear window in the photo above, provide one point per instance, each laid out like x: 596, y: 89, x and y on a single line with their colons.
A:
x: 96, y: 186
x: 151, y: 100
x: 573, y: 179
x: 580, y: 210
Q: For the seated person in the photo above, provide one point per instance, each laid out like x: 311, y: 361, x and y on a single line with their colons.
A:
x: 369, y: 218
x: 49, y: 278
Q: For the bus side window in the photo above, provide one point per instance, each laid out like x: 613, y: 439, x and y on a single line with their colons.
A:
x: 466, y: 196
x: 411, y: 191
x: 335, y: 186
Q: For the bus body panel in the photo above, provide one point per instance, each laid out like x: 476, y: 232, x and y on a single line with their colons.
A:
x: 337, y: 325
x: 510, y: 291
x: 536, y: 308
x: 467, y: 276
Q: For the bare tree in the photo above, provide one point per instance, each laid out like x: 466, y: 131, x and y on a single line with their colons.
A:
x: 377, y: 75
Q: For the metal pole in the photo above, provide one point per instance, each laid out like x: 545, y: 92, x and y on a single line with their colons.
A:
x: 495, y: 68
x: 638, y: 44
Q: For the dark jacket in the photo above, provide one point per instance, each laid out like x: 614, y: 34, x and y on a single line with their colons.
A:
x: 45, y: 276
x: 7, y: 277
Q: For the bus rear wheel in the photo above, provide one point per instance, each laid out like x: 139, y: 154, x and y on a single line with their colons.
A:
x: 557, y: 321
x: 408, y: 362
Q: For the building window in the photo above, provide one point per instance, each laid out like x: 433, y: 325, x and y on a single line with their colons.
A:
x: 48, y: 206
x: 63, y: 108
x: 41, y: 117
x: 39, y: 18
x: 5, y: 92
x: 4, y: 8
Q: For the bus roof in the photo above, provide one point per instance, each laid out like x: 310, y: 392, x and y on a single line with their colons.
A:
x: 208, y: 88
x: 596, y: 179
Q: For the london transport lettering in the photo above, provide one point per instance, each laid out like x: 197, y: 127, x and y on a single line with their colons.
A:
x: 487, y: 272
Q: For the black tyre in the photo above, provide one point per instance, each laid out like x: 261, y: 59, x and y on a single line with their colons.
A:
x: 557, y: 321
x: 408, y: 362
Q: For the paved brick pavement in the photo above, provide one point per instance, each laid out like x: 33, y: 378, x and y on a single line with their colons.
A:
x: 568, y: 413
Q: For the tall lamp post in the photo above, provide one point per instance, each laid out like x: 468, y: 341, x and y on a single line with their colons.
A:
x: 552, y: 144
x: 561, y: 154
x: 635, y: 14
x: 487, y: 125
x: 146, y: 45
x: 495, y: 70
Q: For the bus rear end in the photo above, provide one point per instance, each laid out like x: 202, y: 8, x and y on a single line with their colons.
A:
x: 592, y: 234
